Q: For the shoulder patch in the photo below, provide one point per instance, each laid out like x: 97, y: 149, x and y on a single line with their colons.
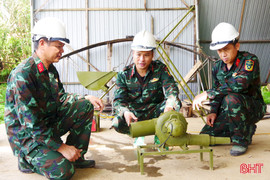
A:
x: 154, y: 80
x: 249, y: 65
x: 40, y: 67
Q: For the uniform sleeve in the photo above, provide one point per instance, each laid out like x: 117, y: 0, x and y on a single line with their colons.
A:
x: 30, y: 115
x: 238, y: 83
x: 214, y: 102
x: 64, y: 96
x: 170, y: 87
x: 120, y: 95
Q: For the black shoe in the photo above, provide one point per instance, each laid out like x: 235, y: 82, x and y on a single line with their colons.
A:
x: 82, y: 163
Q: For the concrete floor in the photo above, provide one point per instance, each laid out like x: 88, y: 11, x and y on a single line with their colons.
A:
x: 116, y: 159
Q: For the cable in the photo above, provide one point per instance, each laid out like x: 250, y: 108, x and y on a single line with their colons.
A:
x: 168, y: 136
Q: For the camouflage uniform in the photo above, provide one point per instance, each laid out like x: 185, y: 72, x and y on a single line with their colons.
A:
x: 145, y: 99
x: 38, y: 112
x: 236, y: 99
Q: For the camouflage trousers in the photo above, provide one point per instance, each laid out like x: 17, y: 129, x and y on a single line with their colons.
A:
x: 236, y: 119
x: 119, y: 122
x: 74, y: 117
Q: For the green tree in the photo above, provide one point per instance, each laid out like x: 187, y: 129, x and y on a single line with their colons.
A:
x: 15, y: 36
x: 15, y: 40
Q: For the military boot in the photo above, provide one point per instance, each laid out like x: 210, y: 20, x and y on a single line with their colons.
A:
x: 83, y: 163
x: 238, y: 150
x: 252, y: 130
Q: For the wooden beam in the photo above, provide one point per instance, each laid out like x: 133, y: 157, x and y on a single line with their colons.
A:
x: 111, y: 9
x: 87, y: 33
x: 109, y: 57
x: 109, y: 68
x: 241, y: 19
x: 193, y: 71
x: 186, y: 4
x: 145, y: 5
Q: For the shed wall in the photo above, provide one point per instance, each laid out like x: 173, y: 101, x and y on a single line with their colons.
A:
x: 103, y: 20
x: 254, y: 31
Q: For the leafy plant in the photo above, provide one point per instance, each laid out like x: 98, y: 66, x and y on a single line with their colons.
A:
x: 15, y: 36
x: 2, y: 101
x: 266, y: 93
x: 15, y: 40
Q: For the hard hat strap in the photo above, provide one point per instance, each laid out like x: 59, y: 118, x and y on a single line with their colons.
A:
x: 38, y: 37
x: 59, y: 39
x: 221, y: 42
x: 143, y: 47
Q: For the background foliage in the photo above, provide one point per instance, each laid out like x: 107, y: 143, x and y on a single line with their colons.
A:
x: 15, y: 36
x: 2, y: 101
x: 15, y: 39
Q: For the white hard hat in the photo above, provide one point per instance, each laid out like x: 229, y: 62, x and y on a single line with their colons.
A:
x: 144, y: 41
x: 223, y: 34
x: 51, y: 28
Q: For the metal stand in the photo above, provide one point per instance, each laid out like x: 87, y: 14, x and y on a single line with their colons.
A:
x: 142, y: 151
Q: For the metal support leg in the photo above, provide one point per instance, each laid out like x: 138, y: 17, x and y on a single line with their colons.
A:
x: 141, y: 152
x: 201, y: 154
x: 97, y: 119
x: 211, y: 159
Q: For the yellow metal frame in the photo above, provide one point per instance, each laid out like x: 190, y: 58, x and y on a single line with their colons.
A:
x: 142, y: 152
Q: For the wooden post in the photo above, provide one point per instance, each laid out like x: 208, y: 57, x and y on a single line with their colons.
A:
x: 87, y: 33
x: 109, y: 68
x: 242, y: 14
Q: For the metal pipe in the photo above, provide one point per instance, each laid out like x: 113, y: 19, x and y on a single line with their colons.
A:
x: 171, y: 128
x: 191, y: 9
x: 177, y: 73
x: 183, y: 28
x: 107, y: 91
x: 171, y: 71
x: 178, y: 79
x: 197, y: 37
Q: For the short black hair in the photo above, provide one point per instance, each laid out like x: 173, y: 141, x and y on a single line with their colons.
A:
x: 37, y: 42
x: 236, y: 40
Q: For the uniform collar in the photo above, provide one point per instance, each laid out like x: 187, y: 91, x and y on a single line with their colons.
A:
x: 150, y: 69
x: 40, y: 66
x: 236, y: 63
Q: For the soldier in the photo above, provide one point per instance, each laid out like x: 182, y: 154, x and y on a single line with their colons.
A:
x: 38, y: 111
x: 139, y: 91
x: 236, y: 100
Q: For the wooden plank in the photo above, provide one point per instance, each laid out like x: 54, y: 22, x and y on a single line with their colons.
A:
x: 191, y: 73
x: 109, y: 68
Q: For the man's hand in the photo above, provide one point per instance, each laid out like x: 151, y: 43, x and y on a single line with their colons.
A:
x: 211, y: 119
x: 168, y: 108
x: 130, y: 117
x: 71, y: 153
x: 98, y: 104
x: 197, y: 102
